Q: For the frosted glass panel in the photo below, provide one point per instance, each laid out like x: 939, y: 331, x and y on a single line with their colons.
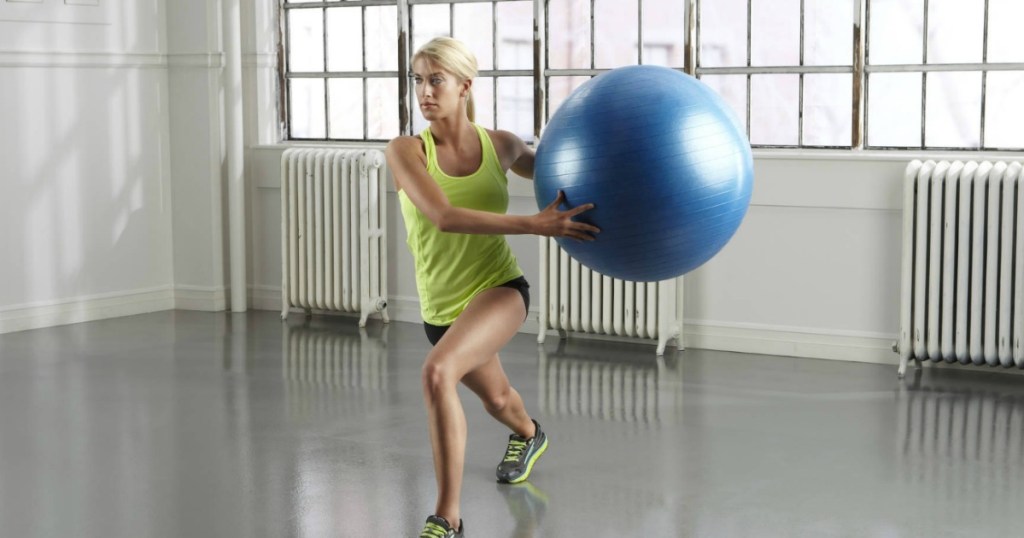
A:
x: 894, y: 110
x: 775, y: 32
x: 346, y: 104
x: 306, y: 40
x: 569, y: 34
x: 953, y: 110
x: 955, y: 31
x: 895, y: 31
x: 828, y: 109
x: 345, y: 39
x: 828, y: 32
x: 723, y: 33
x: 615, y: 33
x: 774, y: 116
x: 307, y: 114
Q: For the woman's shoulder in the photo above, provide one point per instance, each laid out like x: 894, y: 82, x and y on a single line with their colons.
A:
x: 405, y: 146
x: 505, y: 142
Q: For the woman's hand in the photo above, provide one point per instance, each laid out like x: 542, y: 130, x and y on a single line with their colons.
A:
x: 552, y: 222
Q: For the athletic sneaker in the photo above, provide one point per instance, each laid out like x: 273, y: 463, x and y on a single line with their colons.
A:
x: 520, y: 456
x: 438, y: 527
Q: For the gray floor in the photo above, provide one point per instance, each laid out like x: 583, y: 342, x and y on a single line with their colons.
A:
x: 186, y: 424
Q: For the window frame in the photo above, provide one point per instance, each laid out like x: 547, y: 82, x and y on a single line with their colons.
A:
x: 860, y: 69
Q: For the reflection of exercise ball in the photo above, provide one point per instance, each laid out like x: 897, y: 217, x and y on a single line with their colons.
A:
x: 664, y: 161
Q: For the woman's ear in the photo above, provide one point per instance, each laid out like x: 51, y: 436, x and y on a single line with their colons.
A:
x: 467, y: 85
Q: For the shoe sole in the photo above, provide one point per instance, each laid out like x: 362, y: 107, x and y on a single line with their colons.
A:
x: 529, y: 464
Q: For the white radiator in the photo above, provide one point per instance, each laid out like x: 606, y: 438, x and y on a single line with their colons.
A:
x: 575, y: 299
x: 963, y: 276
x: 333, y: 250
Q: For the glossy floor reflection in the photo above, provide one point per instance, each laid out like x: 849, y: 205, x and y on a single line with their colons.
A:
x: 188, y: 424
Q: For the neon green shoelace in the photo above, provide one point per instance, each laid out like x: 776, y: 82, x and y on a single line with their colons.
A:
x: 514, y: 450
x: 433, y: 530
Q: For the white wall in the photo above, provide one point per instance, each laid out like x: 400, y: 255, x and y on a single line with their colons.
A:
x: 85, y: 198
x: 813, y: 271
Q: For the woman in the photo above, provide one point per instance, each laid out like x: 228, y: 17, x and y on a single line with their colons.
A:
x: 453, y: 192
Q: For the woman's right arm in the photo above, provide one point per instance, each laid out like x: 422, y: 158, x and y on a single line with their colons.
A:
x: 407, y: 163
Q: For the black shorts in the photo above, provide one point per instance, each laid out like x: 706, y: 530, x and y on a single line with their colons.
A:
x: 435, y: 332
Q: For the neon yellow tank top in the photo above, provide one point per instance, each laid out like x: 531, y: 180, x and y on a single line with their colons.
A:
x: 452, y: 268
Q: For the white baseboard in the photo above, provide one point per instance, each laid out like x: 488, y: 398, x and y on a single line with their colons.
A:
x: 202, y: 298
x: 87, y: 308
x: 791, y: 341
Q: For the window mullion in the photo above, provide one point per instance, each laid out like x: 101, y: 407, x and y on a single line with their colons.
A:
x: 859, y: 120
x: 404, y: 28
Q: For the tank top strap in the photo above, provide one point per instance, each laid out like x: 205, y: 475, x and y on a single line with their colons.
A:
x: 489, y: 154
x: 430, y: 149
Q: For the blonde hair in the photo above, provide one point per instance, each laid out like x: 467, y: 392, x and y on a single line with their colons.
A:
x: 454, y: 57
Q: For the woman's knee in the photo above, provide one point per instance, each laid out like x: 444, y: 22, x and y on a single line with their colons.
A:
x: 496, y: 401
x: 438, y: 376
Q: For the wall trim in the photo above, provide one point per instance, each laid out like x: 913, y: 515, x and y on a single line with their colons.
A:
x: 99, y: 59
x: 259, y: 59
x: 205, y: 60
x: 202, y: 298
x: 85, y: 308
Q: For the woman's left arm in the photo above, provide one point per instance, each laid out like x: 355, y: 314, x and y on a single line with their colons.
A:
x: 520, y: 155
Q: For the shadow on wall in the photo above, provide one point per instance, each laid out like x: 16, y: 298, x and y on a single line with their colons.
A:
x: 88, y: 204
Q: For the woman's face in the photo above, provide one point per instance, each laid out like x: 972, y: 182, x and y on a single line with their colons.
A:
x: 439, y: 92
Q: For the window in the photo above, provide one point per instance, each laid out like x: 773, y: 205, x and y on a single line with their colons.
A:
x: 878, y: 74
x: 341, y: 72
x: 944, y: 74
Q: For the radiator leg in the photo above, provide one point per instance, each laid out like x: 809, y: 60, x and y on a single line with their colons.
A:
x: 903, y: 368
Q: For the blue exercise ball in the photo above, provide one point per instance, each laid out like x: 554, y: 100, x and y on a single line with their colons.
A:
x: 663, y: 159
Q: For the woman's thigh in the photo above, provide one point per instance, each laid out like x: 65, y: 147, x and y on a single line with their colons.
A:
x: 490, y: 320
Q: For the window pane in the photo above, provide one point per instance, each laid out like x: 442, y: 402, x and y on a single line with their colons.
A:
x: 828, y: 32
x: 483, y: 100
x: 1004, y: 110
x: 955, y: 31
x: 568, y: 34
x: 382, y: 38
x: 382, y: 108
x: 559, y: 89
x: 428, y: 22
x: 775, y: 32
x: 664, y: 31
x: 894, y: 31
x: 345, y: 39
x: 515, y: 106
x: 306, y: 108
x: 774, y: 118
x: 615, y: 33
x: 894, y: 110
x: 1004, y: 18
x: 732, y: 89
x: 515, y: 35
x: 723, y: 33
x: 953, y: 110
x: 346, y: 108
x: 473, y: 27
x: 306, y: 40
x: 828, y: 109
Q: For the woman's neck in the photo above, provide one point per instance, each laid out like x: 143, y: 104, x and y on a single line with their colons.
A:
x: 454, y: 132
